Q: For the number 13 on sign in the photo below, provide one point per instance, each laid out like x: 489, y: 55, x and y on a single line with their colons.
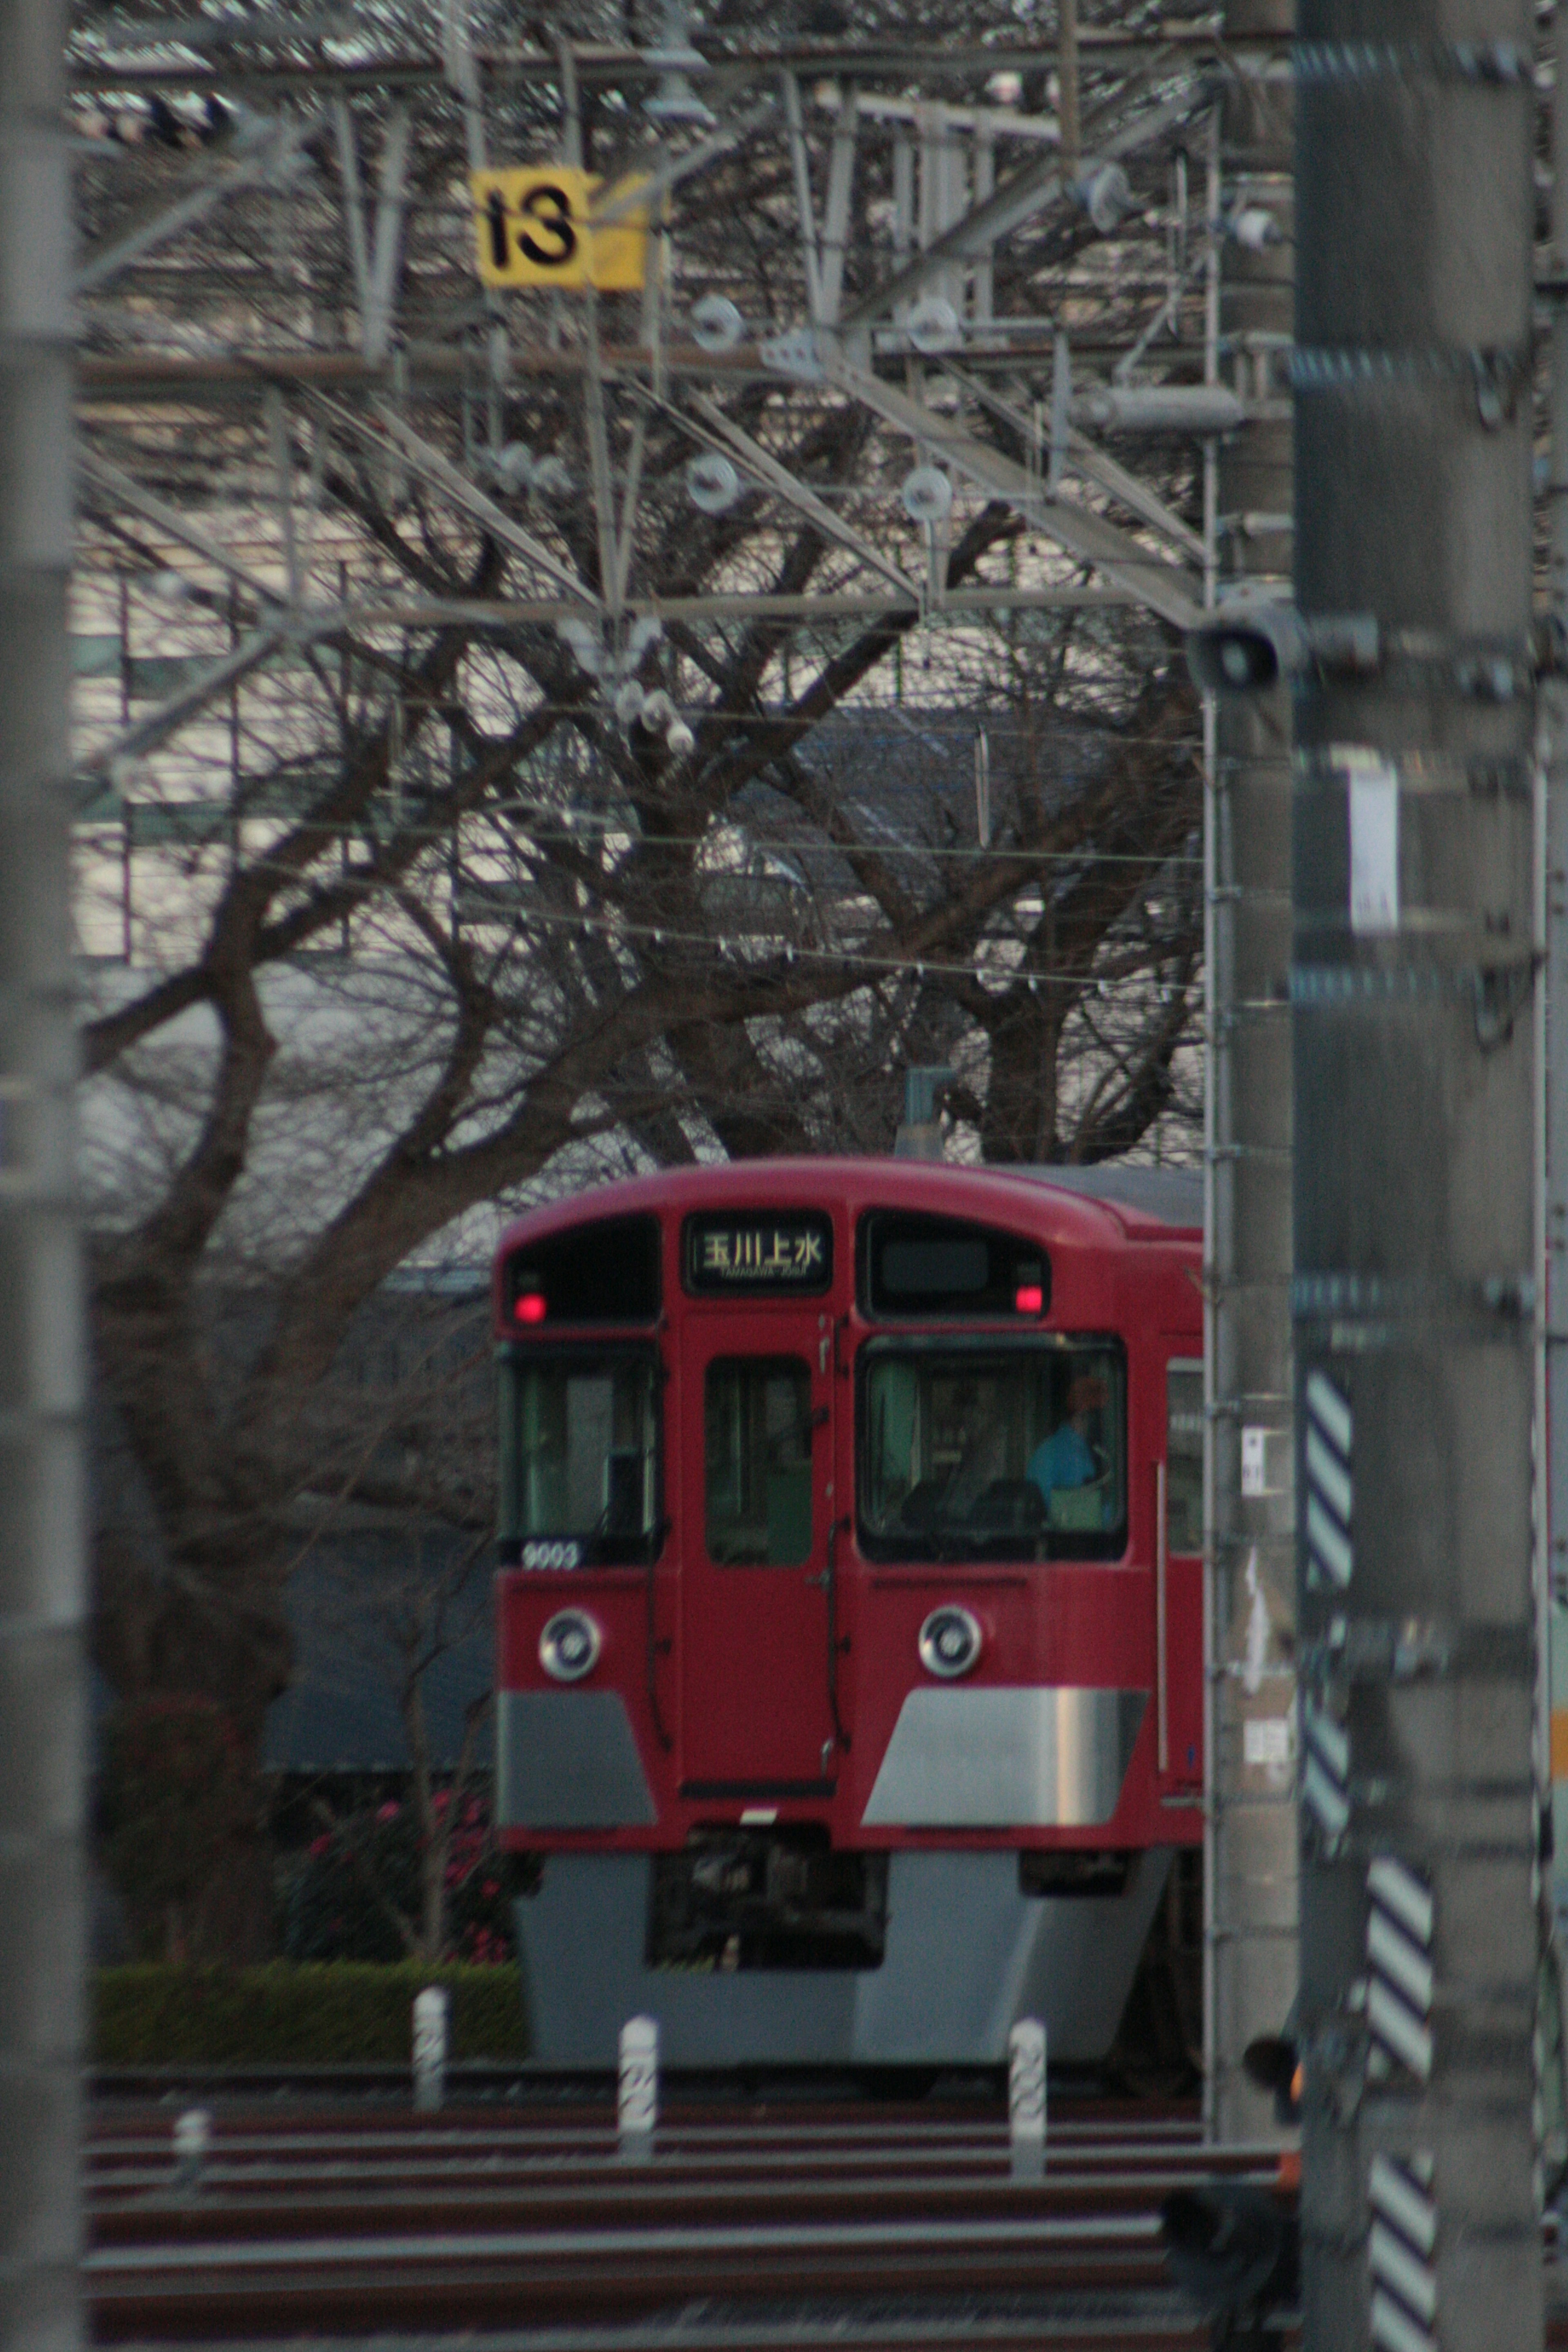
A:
x: 534, y: 226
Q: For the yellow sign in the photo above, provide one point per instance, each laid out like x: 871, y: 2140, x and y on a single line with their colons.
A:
x: 534, y: 226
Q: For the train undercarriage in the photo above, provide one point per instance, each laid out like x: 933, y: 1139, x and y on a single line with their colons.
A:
x: 780, y: 1951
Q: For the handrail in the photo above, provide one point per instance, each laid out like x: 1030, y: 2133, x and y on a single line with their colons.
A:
x: 1162, y: 1725
x: 831, y: 1579
x: 651, y: 1651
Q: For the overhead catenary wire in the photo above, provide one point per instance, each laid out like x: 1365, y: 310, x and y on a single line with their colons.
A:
x: 913, y: 963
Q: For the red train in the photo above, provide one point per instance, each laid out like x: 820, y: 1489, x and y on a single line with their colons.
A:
x: 851, y: 1655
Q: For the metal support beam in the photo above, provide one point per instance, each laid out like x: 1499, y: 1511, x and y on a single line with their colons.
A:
x: 461, y: 71
x: 984, y: 186
x: 282, y: 455
x: 353, y: 207
x: 723, y: 434
x: 274, y: 154
x: 1552, y: 1509
x: 599, y: 456
x: 1416, y: 942
x: 985, y: 121
x: 172, y: 714
x: 1081, y: 455
x: 1019, y: 198
x: 619, y: 68
x: 626, y: 538
x: 1250, y: 1945
x: 444, y: 476
x: 43, y: 1693
x: 1067, y: 83
x: 829, y: 608
x: 571, y: 110
x: 638, y: 194
x: 805, y: 207
x: 1167, y: 589
x: 123, y: 490
x: 836, y: 222
x: 386, y: 254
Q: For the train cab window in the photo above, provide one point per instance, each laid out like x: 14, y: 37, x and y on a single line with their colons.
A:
x: 1183, y: 1458
x: 579, y: 1457
x: 758, y: 1461
x: 993, y: 1453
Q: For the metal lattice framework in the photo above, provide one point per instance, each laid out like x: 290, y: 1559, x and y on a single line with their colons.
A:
x: 934, y: 317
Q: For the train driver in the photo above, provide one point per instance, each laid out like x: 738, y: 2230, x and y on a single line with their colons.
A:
x: 983, y: 1459
x: 1066, y: 1458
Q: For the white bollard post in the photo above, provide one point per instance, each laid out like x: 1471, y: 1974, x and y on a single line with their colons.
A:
x: 193, y: 2138
x: 430, y: 2048
x: 639, y: 2105
x: 1027, y: 2098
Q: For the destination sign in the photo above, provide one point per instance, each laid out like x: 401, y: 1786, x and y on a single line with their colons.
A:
x: 791, y: 1249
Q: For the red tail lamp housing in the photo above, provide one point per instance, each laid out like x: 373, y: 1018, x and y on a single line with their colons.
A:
x: 531, y: 1307
x: 1029, y: 1298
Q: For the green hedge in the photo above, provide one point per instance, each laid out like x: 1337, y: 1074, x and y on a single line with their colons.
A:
x: 334, y: 2013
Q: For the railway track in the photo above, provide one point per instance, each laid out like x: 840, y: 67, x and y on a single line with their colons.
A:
x: 778, y: 2228
x: 784, y: 2229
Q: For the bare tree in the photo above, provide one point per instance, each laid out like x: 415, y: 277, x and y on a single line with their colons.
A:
x: 404, y: 1623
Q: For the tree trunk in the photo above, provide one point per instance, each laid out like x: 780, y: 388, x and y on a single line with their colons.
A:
x: 1019, y: 1121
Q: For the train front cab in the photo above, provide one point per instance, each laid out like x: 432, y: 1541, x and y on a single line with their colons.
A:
x: 846, y: 1740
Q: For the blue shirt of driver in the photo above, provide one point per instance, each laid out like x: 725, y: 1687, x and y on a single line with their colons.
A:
x: 1063, y: 1459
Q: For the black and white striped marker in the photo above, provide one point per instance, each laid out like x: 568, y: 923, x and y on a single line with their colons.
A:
x: 1401, y: 2245
x: 1327, y: 1463
x: 1326, y: 1771
x: 1399, y: 1922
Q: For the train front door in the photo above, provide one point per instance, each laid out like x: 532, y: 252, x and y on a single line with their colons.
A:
x: 757, y: 1509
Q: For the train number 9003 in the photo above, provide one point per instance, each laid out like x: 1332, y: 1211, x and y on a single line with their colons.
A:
x: 551, y: 1555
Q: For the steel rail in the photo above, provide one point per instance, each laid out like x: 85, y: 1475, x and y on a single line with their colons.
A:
x: 1118, y: 2229
x: 299, y: 2150
x: 458, y: 2125
x: 680, y: 2152
x: 898, y: 2170
x: 1122, y: 2329
x: 331, y: 2208
x: 977, y: 2168
x: 675, y: 2146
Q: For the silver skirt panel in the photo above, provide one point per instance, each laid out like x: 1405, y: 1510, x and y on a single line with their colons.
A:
x: 568, y: 1760
x: 967, y: 1954
x: 1043, y: 1758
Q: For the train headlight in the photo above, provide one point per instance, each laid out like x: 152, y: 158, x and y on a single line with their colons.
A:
x: 950, y: 1643
x: 570, y: 1645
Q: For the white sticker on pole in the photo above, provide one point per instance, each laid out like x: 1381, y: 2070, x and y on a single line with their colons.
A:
x: 1373, y: 786
x: 1266, y: 1741
x: 1254, y: 1462
x: 1027, y: 2097
x: 638, y: 2101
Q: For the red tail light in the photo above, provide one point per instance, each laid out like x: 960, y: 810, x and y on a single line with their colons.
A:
x: 1029, y: 1298
x: 531, y: 1308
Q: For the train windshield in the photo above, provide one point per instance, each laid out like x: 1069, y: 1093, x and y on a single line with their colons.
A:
x: 986, y: 1453
x: 579, y: 1457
